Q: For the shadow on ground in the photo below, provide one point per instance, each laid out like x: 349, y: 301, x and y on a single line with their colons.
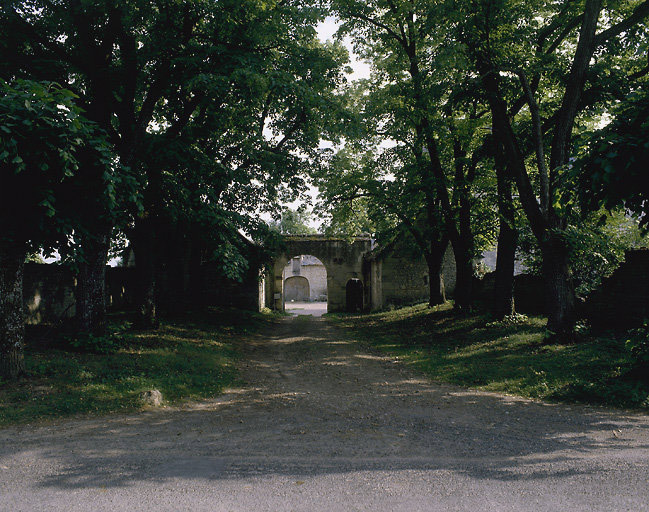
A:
x: 319, y: 404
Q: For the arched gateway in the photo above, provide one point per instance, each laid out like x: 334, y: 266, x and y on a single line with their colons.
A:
x: 344, y: 260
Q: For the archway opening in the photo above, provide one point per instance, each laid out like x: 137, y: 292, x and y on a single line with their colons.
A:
x: 305, y: 286
x: 354, y: 295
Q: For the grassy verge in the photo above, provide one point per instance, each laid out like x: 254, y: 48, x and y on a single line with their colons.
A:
x: 470, y: 351
x: 183, y: 359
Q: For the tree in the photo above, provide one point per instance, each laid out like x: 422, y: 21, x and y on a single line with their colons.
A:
x: 611, y: 171
x: 561, y: 80
x: 152, y: 72
x: 294, y: 222
x: 425, y: 79
x: 41, y: 133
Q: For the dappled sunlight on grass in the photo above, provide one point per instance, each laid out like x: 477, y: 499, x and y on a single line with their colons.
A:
x: 184, y: 361
x: 515, y: 359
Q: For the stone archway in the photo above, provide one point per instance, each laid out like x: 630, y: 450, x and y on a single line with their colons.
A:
x: 342, y: 259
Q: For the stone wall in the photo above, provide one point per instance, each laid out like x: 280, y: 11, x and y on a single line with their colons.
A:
x: 404, y: 281
x: 528, y: 293
x: 120, y: 288
x: 218, y: 290
x: 48, y: 293
x: 398, y: 278
x: 622, y: 300
x: 315, y: 273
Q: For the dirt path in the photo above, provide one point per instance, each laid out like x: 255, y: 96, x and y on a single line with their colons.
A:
x: 326, y: 425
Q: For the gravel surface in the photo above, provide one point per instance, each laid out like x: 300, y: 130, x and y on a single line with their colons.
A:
x: 326, y: 425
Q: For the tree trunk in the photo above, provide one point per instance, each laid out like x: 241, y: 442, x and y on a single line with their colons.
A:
x: 91, y: 286
x: 434, y: 259
x: 504, y: 286
x: 145, y: 248
x: 12, y: 320
x: 463, y: 276
x: 503, y: 304
x: 559, y: 289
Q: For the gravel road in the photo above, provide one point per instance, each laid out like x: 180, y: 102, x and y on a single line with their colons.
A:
x: 326, y: 425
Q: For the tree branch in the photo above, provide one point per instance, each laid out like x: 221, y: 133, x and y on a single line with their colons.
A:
x: 537, y: 132
x: 639, y: 13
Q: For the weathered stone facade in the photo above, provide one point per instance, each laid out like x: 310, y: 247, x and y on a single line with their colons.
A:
x: 358, y: 275
x: 397, y: 278
x: 305, y: 279
x: 342, y: 259
x: 48, y: 293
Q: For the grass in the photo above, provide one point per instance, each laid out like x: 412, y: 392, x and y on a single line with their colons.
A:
x: 184, y: 360
x: 469, y: 350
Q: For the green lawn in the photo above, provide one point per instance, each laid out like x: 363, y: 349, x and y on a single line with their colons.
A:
x: 183, y: 360
x: 515, y: 359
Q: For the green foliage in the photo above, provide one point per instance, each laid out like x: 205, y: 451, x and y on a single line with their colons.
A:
x: 612, y: 170
x: 638, y: 344
x: 294, y: 222
x: 42, y: 132
x: 34, y: 257
x: 597, y: 245
x: 215, y: 109
x: 509, y: 320
x: 109, y: 343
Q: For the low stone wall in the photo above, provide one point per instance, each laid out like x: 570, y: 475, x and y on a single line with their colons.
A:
x: 622, y: 300
x: 120, y: 288
x: 404, y: 281
x: 528, y: 292
x: 48, y: 293
x: 217, y: 290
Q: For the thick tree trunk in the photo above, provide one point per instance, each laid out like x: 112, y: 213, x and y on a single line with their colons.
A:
x: 434, y: 259
x: 504, y: 286
x: 559, y: 289
x: 503, y: 304
x: 180, y: 268
x: 12, y: 320
x: 145, y: 248
x: 91, y: 286
x: 463, y: 276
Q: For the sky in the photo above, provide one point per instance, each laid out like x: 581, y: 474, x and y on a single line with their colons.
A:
x: 326, y: 31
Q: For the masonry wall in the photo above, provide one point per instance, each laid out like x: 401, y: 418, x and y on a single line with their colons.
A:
x: 48, y: 293
x: 398, y: 280
x: 314, y: 272
x: 404, y: 281
x: 622, y: 300
x: 343, y: 261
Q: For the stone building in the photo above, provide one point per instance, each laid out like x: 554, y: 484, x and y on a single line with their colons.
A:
x: 305, y: 280
x: 351, y: 275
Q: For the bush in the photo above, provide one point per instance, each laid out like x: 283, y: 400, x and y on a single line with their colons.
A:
x: 111, y: 342
x: 509, y: 320
x: 638, y: 344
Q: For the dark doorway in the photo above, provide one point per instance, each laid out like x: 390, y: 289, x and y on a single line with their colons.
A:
x: 354, y: 293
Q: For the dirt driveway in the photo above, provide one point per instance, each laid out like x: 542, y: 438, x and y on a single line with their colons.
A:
x: 327, y: 425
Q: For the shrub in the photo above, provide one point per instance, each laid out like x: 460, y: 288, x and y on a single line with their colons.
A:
x: 638, y: 344
x: 111, y: 342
